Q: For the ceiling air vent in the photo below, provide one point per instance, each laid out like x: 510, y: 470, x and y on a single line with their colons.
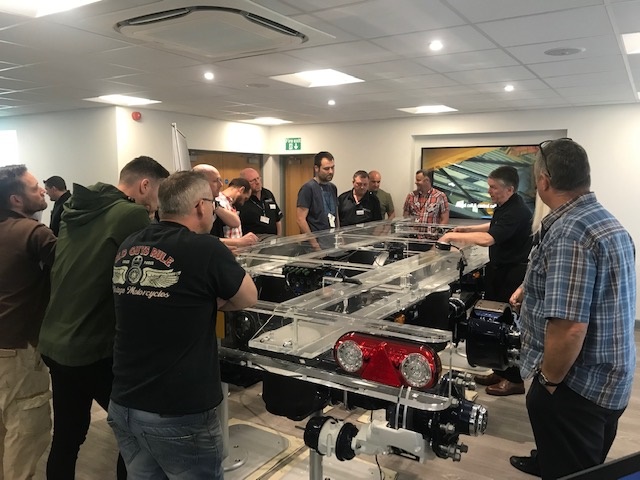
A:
x: 214, y: 32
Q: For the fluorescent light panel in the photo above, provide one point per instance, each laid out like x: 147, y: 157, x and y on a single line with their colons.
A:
x: 631, y: 42
x: 317, y: 78
x: 428, y: 109
x: 267, y: 121
x: 122, y: 100
x: 40, y: 8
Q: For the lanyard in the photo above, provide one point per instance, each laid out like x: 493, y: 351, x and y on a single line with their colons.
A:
x: 259, y: 205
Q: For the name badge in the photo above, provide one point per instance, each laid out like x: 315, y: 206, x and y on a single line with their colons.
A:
x: 264, y: 219
x: 272, y: 206
x: 359, y: 212
x: 332, y: 220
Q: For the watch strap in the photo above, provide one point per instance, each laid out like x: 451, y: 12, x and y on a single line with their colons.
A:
x: 542, y: 378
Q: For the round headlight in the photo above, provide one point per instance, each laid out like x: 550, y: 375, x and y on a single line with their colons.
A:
x: 416, y: 370
x: 349, y: 356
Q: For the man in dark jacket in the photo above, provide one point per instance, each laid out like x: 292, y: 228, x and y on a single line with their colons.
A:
x: 508, y: 237
x: 359, y: 205
x: 56, y: 188
x: 76, y: 339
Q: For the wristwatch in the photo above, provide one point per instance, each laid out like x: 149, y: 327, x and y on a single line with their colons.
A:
x: 542, y: 378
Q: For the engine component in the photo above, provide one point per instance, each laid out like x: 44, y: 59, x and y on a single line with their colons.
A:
x: 329, y: 436
x: 443, y: 427
x: 418, y: 434
x: 493, y: 339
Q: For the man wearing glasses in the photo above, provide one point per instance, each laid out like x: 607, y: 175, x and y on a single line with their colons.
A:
x: 227, y: 216
x: 169, y: 281
x: 577, y: 320
x: 260, y: 214
x: 358, y: 205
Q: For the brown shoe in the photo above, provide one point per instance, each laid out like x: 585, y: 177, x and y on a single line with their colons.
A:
x: 487, y: 379
x: 504, y: 388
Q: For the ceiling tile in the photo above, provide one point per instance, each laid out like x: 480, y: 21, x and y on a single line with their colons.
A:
x: 505, y: 74
x: 378, y: 18
x: 468, y: 61
x: 580, y: 65
x: 477, y: 11
x: 455, y: 40
x: 593, y: 47
x: 563, y: 25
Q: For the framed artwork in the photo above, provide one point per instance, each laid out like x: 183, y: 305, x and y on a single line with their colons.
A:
x: 462, y: 172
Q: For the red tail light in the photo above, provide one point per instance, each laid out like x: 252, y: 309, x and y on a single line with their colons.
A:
x: 393, y: 362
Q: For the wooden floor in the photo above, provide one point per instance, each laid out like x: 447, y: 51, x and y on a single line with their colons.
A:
x: 508, y: 433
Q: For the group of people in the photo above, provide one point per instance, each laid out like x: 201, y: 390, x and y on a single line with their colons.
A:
x: 137, y: 336
x: 245, y: 211
x: 576, y: 292
x: 122, y: 309
x: 319, y: 207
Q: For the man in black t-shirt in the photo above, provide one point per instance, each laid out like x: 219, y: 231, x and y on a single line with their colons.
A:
x: 261, y: 213
x: 359, y: 205
x: 169, y: 280
x: 508, y: 237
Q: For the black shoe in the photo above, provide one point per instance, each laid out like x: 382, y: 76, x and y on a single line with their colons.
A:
x: 527, y: 464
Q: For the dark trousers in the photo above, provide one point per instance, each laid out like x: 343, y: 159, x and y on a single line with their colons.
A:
x: 500, y: 283
x: 571, y: 432
x: 74, y: 389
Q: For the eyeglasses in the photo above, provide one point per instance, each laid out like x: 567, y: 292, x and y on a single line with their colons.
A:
x: 542, y: 146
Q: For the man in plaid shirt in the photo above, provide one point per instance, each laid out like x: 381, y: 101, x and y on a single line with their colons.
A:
x: 577, y: 320
x: 425, y: 203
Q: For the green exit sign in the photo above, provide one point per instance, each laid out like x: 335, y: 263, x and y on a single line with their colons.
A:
x: 294, y: 144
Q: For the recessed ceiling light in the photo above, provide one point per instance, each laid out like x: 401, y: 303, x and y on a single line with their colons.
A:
x: 40, y: 8
x: 123, y: 100
x: 428, y: 109
x: 267, y: 121
x: 561, y: 52
x: 317, y: 78
x: 508, y: 88
x: 631, y: 42
x: 331, y: 102
x: 436, y: 45
x: 208, y: 75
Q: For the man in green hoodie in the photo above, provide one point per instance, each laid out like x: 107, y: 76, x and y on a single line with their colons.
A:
x: 76, y: 338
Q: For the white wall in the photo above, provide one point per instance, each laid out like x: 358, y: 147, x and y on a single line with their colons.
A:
x: 152, y: 135
x: 610, y: 134
x: 80, y: 146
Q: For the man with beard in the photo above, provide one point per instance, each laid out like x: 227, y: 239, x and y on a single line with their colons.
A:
x: 76, y: 338
x: 317, y: 204
x: 231, y: 198
x: 26, y: 254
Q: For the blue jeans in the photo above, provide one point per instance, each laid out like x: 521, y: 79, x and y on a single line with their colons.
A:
x: 157, y: 446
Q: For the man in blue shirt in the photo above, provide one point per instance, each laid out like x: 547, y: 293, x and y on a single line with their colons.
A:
x: 316, y: 207
x: 577, y: 320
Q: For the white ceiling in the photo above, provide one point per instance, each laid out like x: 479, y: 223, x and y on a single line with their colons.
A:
x: 52, y: 63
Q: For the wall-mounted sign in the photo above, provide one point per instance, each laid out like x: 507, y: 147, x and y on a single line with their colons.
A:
x: 293, y: 144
